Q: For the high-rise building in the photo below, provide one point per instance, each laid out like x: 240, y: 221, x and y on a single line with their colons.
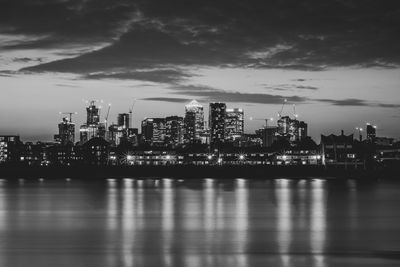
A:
x: 217, y: 122
x: 173, y: 130
x: 93, y: 127
x: 124, y: 120
x: 234, y: 124
x: 66, y: 132
x: 371, y: 132
x: 268, y: 135
x: 153, y: 131
x: 284, y: 126
x: 93, y: 113
x: 193, y: 122
x: 292, y: 129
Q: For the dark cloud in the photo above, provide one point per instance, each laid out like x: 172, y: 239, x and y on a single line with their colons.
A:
x: 158, y: 76
x: 357, y: 102
x: 289, y: 87
x: 346, y: 102
x: 26, y: 59
x: 210, y: 94
x: 306, y: 87
x: 64, y: 21
x: 166, y: 99
x: 287, y: 34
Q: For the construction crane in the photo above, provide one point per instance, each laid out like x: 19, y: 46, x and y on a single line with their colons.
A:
x: 70, y: 114
x: 108, y: 113
x: 266, y: 120
x: 131, y: 111
x: 283, y: 105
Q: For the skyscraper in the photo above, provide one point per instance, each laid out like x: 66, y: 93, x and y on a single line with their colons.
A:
x: 124, y: 120
x: 193, y: 122
x: 217, y: 122
x: 268, y: 135
x: 173, y: 130
x: 66, y: 131
x: 292, y: 129
x: 283, y: 126
x: 93, y: 113
x: 371, y: 132
x: 93, y: 127
x: 153, y: 130
x: 234, y: 124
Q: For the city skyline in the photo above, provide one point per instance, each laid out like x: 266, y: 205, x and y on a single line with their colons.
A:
x: 250, y: 55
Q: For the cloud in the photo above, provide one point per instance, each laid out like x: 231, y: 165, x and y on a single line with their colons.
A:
x: 158, y: 76
x: 166, y: 99
x: 289, y: 87
x: 357, y: 102
x: 26, y: 59
x: 306, y: 87
x: 345, y: 102
x: 287, y: 34
x: 210, y: 94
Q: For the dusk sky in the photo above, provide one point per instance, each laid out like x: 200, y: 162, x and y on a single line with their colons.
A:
x: 337, y: 60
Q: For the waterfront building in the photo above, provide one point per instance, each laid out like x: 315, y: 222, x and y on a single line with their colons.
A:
x: 234, y: 124
x: 152, y: 158
x: 95, y: 151
x: 10, y: 146
x: 338, y: 150
x: 193, y: 122
x: 216, y: 122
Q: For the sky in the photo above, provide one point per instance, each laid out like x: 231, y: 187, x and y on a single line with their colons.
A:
x: 337, y: 61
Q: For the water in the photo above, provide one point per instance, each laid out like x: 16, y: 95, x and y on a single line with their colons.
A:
x: 163, y: 222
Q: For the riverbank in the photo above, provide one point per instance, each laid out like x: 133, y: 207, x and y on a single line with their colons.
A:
x: 189, y: 171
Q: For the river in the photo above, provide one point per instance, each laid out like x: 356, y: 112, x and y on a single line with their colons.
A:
x: 201, y: 222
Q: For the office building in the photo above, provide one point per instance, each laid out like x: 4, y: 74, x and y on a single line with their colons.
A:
x: 216, y: 122
x: 193, y: 122
x: 268, y: 135
x: 153, y: 131
x: 234, y: 124
x: 173, y: 131
x: 292, y: 129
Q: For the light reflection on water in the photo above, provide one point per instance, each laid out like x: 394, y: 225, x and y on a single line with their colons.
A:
x: 207, y: 222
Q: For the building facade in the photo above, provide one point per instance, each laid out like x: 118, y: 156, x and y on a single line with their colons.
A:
x: 193, y: 122
x: 234, y: 124
x: 217, y: 123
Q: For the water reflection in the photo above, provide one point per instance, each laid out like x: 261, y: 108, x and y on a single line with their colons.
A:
x: 284, y: 219
x: 128, y: 222
x: 318, y: 221
x: 163, y: 222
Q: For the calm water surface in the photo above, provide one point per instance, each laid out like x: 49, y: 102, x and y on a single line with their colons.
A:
x: 164, y: 222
